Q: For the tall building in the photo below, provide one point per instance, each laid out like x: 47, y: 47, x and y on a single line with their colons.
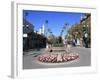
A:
x: 42, y: 30
x: 27, y: 27
x: 86, y: 20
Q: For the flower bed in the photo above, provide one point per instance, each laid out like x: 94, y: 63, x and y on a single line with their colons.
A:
x: 57, y: 58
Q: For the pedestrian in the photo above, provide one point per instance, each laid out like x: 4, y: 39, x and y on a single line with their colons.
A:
x: 65, y: 43
x: 86, y: 40
x: 73, y: 42
x: 81, y: 42
x: 68, y: 47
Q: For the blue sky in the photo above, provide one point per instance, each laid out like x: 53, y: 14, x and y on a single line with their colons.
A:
x: 56, y: 20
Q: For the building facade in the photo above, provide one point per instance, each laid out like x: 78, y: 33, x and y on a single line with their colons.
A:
x: 85, y: 23
x: 31, y: 39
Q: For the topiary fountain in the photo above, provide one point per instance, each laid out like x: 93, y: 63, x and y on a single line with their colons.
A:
x: 58, y: 54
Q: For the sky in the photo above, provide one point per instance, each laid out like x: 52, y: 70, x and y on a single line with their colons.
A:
x: 56, y: 20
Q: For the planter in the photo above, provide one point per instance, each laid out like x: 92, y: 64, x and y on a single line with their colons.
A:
x: 57, y: 57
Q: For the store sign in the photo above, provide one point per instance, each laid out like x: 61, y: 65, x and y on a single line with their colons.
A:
x: 25, y: 35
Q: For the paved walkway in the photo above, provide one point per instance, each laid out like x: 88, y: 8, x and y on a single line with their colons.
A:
x: 30, y: 59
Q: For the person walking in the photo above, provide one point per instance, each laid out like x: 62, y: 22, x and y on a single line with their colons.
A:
x: 66, y: 45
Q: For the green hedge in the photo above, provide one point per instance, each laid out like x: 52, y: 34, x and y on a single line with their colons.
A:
x: 58, y: 45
